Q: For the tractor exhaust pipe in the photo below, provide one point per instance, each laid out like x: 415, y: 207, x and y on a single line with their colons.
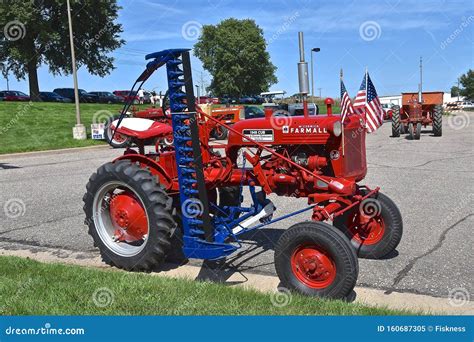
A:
x: 420, y: 86
x: 303, y: 78
x: 302, y: 68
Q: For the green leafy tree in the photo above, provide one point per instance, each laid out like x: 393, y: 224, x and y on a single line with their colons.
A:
x: 455, y: 91
x: 36, y: 33
x: 234, y: 53
x: 467, y: 82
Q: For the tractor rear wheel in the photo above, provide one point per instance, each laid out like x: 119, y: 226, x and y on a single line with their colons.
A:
x: 129, y: 216
x: 411, y: 131
x: 396, y: 122
x: 381, y: 231
x: 119, y: 140
x: 403, y: 129
x: 316, y: 260
x: 438, y: 121
x: 418, y: 131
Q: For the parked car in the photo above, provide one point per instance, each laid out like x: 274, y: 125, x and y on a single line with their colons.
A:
x: 84, y: 96
x: 387, y: 111
x: 106, y: 97
x: 252, y: 112
x: 50, y: 96
x: 125, y: 95
x: 467, y: 105
x: 247, y: 100
x: 13, y: 95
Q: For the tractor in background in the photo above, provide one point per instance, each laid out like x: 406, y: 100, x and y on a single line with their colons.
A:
x: 188, y: 198
x: 418, y: 110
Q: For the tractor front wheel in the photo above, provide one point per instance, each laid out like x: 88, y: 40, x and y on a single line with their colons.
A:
x: 396, y: 122
x: 119, y: 140
x: 129, y: 216
x: 375, y: 227
x: 438, y: 121
x: 418, y: 131
x: 316, y: 260
x: 411, y: 131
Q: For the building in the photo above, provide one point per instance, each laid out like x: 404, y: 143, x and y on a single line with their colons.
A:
x: 397, y: 99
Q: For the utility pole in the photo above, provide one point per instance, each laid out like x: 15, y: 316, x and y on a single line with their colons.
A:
x: 78, y: 131
x: 320, y: 92
x: 312, y: 68
x: 459, y: 90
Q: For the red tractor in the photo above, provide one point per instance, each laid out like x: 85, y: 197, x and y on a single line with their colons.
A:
x: 187, y: 198
x: 418, y: 110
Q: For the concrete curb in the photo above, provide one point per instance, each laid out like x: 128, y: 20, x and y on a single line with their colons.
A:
x: 260, y: 282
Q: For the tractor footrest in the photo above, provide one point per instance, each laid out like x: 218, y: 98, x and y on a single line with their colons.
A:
x: 196, y: 248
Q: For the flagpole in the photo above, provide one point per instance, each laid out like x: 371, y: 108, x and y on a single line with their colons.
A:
x: 366, y: 93
x: 343, y: 117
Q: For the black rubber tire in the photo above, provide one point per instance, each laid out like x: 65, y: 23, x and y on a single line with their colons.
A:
x: 403, y: 129
x: 418, y: 131
x: 221, y: 134
x: 393, y: 229
x: 158, y: 206
x: 438, y: 121
x: 333, y: 242
x: 396, y: 122
x: 411, y: 131
x: 108, y: 134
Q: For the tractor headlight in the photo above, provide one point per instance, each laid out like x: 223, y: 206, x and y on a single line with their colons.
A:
x: 337, y: 128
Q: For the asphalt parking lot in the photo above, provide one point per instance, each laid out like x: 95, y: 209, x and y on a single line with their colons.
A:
x: 431, y: 180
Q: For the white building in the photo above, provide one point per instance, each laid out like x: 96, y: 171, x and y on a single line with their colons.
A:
x: 397, y: 99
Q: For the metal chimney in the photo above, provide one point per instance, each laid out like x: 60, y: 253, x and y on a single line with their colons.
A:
x: 303, y: 78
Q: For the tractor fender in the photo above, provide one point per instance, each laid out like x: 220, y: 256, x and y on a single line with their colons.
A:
x: 156, y: 169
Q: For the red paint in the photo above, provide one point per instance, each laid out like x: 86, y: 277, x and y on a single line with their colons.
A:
x: 313, y: 267
x: 128, y: 217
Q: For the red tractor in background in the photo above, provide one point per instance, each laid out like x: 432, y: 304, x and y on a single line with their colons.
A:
x: 418, y: 110
x: 187, y: 198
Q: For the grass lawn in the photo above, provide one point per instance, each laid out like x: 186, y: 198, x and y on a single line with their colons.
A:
x: 38, y: 126
x: 45, y: 126
x: 29, y: 287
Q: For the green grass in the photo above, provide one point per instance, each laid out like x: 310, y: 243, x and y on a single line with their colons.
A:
x: 29, y: 287
x: 39, y: 126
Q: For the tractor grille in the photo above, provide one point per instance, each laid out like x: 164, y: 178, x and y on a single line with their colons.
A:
x: 354, y: 153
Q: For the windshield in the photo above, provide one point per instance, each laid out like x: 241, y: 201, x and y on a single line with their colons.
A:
x: 82, y: 92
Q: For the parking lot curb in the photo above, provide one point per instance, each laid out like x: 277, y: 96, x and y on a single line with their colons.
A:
x: 264, y: 283
x: 69, y: 149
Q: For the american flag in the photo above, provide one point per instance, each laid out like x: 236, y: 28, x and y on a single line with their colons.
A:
x: 346, y: 103
x: 367, y: 102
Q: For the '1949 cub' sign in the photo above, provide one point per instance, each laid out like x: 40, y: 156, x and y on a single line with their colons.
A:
x: 261, y: 135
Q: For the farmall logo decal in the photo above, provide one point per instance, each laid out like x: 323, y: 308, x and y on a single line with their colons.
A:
x: 304, y: 129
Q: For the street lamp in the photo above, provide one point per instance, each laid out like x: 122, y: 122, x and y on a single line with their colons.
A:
x: 312, y: 74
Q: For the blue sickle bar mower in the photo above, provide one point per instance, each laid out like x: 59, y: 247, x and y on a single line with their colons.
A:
x: 186, y: 199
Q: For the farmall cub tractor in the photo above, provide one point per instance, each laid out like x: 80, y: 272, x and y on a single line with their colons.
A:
x: 418, y: 110
x: 188, y: 197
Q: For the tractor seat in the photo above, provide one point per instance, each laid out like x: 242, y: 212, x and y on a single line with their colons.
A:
x: 141, y: 129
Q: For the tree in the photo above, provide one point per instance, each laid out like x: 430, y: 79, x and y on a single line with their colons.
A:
x: 36, y: 33
x: 234, y: 53
x: 467, y: 82
x: 455, y: 91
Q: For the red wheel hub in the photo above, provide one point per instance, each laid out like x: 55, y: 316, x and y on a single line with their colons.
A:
x: 129, y: 217
x: 119, y: 138
x: 367, y: 230
x: 313, y: 267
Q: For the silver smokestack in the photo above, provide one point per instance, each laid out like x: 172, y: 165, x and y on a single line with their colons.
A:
x: 303, y: 78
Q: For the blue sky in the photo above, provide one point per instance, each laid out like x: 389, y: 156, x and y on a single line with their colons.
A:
x: 387, y: 37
